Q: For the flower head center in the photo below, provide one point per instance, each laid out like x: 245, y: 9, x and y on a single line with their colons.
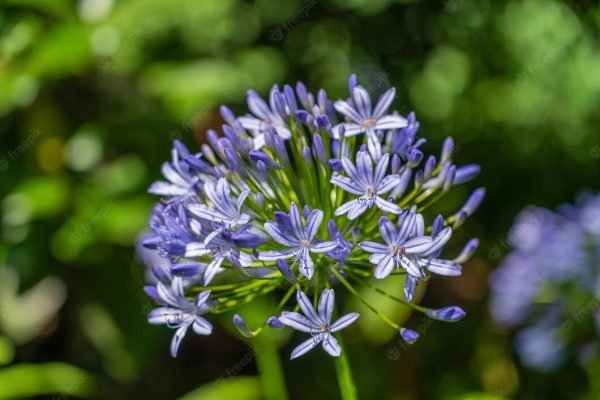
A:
x: 367, y: 123
x: 397, y: 251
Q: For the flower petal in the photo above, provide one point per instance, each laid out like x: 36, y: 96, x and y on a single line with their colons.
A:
x: 202, y: 326
x: 312, y: 223
x: 297, y: 321
x: 390, y: 122
x: 384, y: 267
x: 384, y: 102
x: 276, y: 254
x: 323, y: 247
x: 387, y: 231
x: 373, y: 247
x: 410, y: 287
x: 344, y: 321
x: 362, y: 102
x: 442, y: 267
x: 326, y: 302
x: 345, y: 108
x: 177, y: 338
x: 348, y: 185
x: 418, y: 245
x: 387, y: 206
x: 331, y: 346
x: 307, y: 309
x: 304, y: 347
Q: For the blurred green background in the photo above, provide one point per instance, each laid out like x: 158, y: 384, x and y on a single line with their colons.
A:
x: 92, y: 92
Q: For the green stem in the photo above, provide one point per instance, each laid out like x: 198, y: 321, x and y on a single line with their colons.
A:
x: 269, y: 367
x: 344, y: 375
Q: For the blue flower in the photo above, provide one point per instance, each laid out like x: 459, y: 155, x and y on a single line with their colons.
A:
x: 226, y: 211
x: 181, y: 177
x: 366, y: 119
x: 299, y: 240
x: 367, y: 183
x: 266, y: 116
x: 179, y: 313
x: 407, y: 247
x: 317, y: 323
x: 232, y: 211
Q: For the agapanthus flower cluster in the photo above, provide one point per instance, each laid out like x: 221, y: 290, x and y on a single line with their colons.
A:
x: 548, y: 286
x: 301, y: 197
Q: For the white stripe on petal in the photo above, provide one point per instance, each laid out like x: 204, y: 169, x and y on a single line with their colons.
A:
x: 297, y: 321
x: 348, y: 185
x: 331, y: 346
x: 387, y: 206
x: 384, y: 102
x: 373, y: 247
x: 418, y: 245
x: 162, y: 188
x: 275, y: 254
x: 390, y: 122
x: 326, y: 302
x: 344, y: 321
x: 177, y: 338
x: 384, y: 267
x: 312, y: 223
x: 307, y: 309
x: 442, y: 267
x: 323, y: 247
x: 305, y: 347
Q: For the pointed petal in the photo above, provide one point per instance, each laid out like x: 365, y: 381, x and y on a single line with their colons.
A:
x: 384, y: 102
x: 348, y: 185
x: 381, y: 169
x: 344, y: 321
x: 296, y: 221
x: 323, y: 247
x: 411, y: 267
x: 418, y: 244
x: 202, y: 326
x: 439, y: 241
x: 410, y: 287
x: 388, y: 183
x: 297, y: 321
x: 357, y: 210
x: 362, y: 102
x: 307, y: 309
x: 364, y: 166
x: 275, y: 254
x: 326, y: 302
x: 162, y: 188
x: 278, y: 236
x: 390, y: 122
x: 304, y: 347
x: 407, y: 228
x: 387, y: 206
x: 384, y: 267
x: 306, y: 264
x: 312, y: 223
x: 388, y: 231
x: 177, y: 338
x: 373, y: 247
x: 331, y: 346
x: 442, y: 267
x: 345, y: 108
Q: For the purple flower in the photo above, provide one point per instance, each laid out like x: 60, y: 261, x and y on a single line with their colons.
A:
x: 181, y: 178
x: 317, y: 323
x: 365, y: 118
x: 266, y: 116
x: 299, y: 240
x: 407, y: 247
x: 367, y: 183
x: 226, y: 211
x: 179, y: 313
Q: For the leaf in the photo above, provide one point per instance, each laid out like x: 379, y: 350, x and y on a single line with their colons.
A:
x: 28, y: 380
x: 239, y: 388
